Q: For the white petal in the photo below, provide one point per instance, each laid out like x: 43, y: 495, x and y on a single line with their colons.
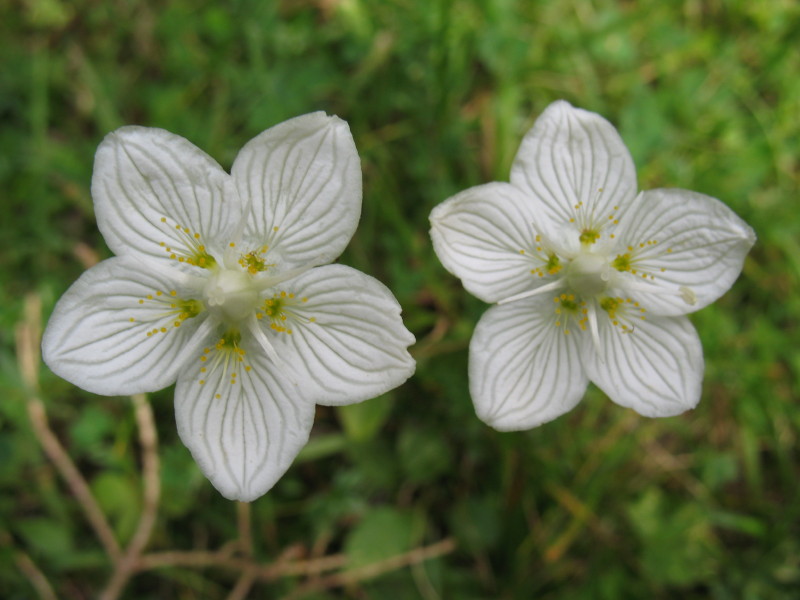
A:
x: 143, y: 175
x: 303, y: 180
x: 657, y: 370
x: 701, y: 245
x: 571, y: 156
x: 91, y: 341
x: 355, y: 348
x: 523, y: 369
x: 479, y: 234
x: 243, y: 435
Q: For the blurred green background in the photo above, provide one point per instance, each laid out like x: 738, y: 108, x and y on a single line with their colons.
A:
x: 438, y: 93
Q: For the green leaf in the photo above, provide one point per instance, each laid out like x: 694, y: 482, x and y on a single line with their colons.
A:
x: 679, y: 546
x: 362, y: 421
x: 382, y: 533
x: 46, y: 537
x: 476, y: 522
x: 180, y: 481
x: 120, y: 499
x: 321, y: 446
x: 90, y: 428
x: 424, y: 455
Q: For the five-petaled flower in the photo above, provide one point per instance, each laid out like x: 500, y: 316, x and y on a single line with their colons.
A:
x: 217, y: 284
x: 592, y: 281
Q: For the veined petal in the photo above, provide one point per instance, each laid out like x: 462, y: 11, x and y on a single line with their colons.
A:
x: 523, y: 369
x: 114, y: 330
x: 657, y: 369
x: 302, y: 179
x: 243, y: 430
x: 347, y: 340
x: 487, y: 237
x: 575, y: 164
x: 154, y: 190
x: 683, y: 243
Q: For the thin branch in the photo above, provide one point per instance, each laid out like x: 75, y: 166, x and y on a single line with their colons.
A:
x: 243, y: 522
x: 28, y: 568
x: 351, y: 576
x: 243, y: 585
x: 301, y: 568
x: 28, y: 334
x: 38, y: 580
x: 297, y: 568
x: 225, y: 560
x: 245, y: 542
x: 412, y: 557
x: 148, y: 439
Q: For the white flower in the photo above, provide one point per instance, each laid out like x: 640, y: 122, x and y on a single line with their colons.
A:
x: 216, y: 284
x: 592, y: 280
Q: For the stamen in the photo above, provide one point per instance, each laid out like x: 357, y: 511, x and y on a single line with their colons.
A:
x: 227, y: 354
x: 261, y: 338
x: 253, y: 263
x: 688, y: 295
x: 176, y: 311
x: 554, y: 285
x: 595, y: 333
x: 279, y: 308
x: 619, y: 310
x: 193, y: 251
x: 590, y: 223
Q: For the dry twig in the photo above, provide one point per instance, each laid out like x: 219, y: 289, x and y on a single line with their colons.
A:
x: 248, y: 574
x: 28, y: 335
x: 235, y: 556
x: 148, y: 439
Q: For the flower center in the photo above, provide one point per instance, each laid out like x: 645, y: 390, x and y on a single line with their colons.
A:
x: 588, y: 274
x: 231, y: 295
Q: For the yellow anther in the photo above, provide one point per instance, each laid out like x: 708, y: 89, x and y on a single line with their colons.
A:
x: 589, y: 236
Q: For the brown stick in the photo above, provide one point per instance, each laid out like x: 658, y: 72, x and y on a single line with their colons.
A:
x: 148, y: 439
x: 243, y: 523
x: 296, y: 568
x: 412, y: 557
x: 245, y: 543
x: 224, y: 560
x: 243, y: 585
x: 38, y: 580
x: 28, y: 334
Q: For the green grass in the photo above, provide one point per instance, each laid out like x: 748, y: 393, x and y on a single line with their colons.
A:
x: 600, y: 504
